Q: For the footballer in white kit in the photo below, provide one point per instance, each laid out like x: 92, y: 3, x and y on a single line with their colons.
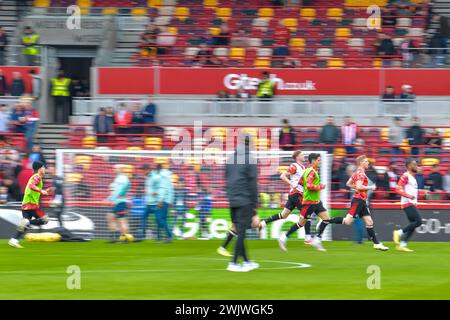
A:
x: 408, y: 190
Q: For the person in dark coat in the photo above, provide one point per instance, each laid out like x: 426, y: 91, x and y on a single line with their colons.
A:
x: 242, y: 192
x: 287, y: 136
x: 17, y: 86
x: 103, y: 125
x: 3, y: 86
x: 415, y: 135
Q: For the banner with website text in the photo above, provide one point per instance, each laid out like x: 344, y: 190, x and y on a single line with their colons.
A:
x: 204, y: 81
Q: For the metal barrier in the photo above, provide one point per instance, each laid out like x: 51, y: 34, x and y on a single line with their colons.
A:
x: 13, y: 56
x: 252, y: 108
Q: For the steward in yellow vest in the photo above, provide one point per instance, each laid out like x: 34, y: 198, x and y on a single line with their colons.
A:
x: 265, y: 87
x: 30, y: 41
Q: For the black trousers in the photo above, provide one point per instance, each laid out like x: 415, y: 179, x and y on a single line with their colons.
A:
x: 415, y: 220
x: 62, y: 109
x: 242, y: 218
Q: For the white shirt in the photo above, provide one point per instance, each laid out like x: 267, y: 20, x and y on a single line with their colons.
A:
x: 296, y: 171
x: 409, y: 184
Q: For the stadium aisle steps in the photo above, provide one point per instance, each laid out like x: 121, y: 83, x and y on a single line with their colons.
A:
x: 49, y: 136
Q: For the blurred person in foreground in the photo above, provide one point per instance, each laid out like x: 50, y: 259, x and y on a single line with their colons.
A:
x: 117, y: 219
x: 242, y: 192
x: 407, y: 188
x: 31, y: 212
x: 159, y: 196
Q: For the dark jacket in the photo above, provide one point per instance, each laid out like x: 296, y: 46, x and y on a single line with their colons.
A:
x: 137, y: 118
x: 150, y: 113
x: 287, y: 137
x: 108, y: 126
x: 388, y: 97
x: 407, y: 97
x: 386, y: 47
x: 241, y: 179
x: 17, y: 88
x: 3, y: 86
x: 329, y: 134
x: 415, y: 135
x: 3, y: 41
x: 435, y: 181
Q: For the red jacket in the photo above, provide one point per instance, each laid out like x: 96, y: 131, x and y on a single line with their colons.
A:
x: 125, y: 120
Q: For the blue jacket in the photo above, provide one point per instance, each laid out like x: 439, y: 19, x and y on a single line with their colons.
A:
x: 159, y: 182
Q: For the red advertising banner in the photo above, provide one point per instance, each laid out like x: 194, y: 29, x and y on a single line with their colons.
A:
x: 125, y: 81
x: 360, y: 82
x: 9, y: 71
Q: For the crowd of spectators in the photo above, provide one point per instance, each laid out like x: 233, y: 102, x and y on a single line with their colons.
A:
x: 131, y: 118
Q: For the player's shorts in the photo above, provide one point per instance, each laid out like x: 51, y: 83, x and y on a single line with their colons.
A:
x: 120, y: 210
x: 294, y: 201
x: 242, y: 215
x: 359, y: 208
x: 309, y: 209
x: 35, y: 213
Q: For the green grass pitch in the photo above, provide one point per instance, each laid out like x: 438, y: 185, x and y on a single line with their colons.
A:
x: 192, y: 270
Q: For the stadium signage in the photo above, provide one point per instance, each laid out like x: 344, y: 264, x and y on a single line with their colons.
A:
x: 435, y: 226
x: 235, y: 81
x: 205, y: 81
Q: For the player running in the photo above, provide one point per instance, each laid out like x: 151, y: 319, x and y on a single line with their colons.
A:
x: 360, y: 183
x: 292, y: 177
x: 310, y: 204
x: 407, y: 188
x: 117, y: 220
x: 31, y: 212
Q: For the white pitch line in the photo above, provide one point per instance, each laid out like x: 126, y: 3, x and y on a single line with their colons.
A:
x: 294, y: 265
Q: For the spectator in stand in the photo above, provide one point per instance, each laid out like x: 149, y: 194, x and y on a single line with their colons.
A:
x: 435, y: 142
x: 3, y: 44
x: 4, y: 118
x: 335, y: 175
x: 243, y: 95
x: 415, y: 135
x: 346, y: 173
x: 385, y: 48
x: 123, y: 119
x: 389, y: 15
x: 291, y: 62
x: 148, y: 42
x: 204, y: 56
x: 404, y: 8
x: 420, y: 178
x: 150, y: 114
x: 137, y: 119
x: 360, y: 146
x: 435, y: 182
x: 18, y: 119
x: 17, y: 86
x: 32, y: 116
x: 103, y: 125
x: 223, y: 95
x: 446, y: 184
x: 372, y: 173
x: 389, y: 94
x: 408, y: 53
x: 240, y: 39
x: 223, y: 38
x: 110, y: 114
x: 77, y: 89
x: 3, y: 86
x: 349, y: 133
x: 36, y: 85
x: 396, y: 135
x: 37, y: 155
x: 392, y: 179
x: 287, y: 136
x: 281, y: 37
x: 165, y: 40
x: 329, y: 134
x: 407, y: 95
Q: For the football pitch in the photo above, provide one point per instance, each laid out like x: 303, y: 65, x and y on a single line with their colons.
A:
x: 192, y: 270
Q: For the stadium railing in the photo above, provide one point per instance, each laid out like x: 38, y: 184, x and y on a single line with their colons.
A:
x: 278, y: 107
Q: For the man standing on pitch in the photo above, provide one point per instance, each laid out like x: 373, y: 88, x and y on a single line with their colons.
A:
x: 408, y: 190
x: 241, y: 179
